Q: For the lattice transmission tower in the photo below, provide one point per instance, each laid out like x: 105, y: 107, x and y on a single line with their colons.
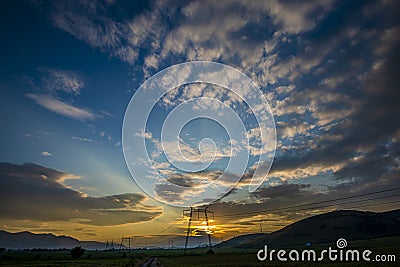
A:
x: 191, y: 214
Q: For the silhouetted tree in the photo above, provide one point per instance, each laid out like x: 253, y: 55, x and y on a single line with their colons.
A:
x: 77, y: 252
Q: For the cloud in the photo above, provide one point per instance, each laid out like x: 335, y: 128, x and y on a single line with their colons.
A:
x: 91, y: 23
x: 82, y: 139
x: 144, y: 134
x: 57, y: 106
x: 194, y: 179
x: 176, y: 195
x: 62, y: 80
x: 284, y: 190
x: 328, y: 70
x: 28, y: 188
x: 356, y: 125
x: 273, y: 204
x: 244, y: 29
x: 54, y: 81
x: 295, y: 17
x: 46, y: 154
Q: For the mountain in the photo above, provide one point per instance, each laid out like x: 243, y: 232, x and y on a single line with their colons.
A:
x: 28, y: 240
x: 319, y: 229
x: 325, y: 228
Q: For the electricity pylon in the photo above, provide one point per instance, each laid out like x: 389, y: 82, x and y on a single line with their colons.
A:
x: 126, y: 238
x: 190, y: 213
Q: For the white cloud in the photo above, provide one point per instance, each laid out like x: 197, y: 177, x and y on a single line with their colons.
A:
x: 83, y: 139
x: 209, y: 30
x: 62, y: 108
x: 290, y: 129
x: 46, y: 154
x: 181, y: 151
x: 62, y: 80
x: 295, y: 17
x: 144, y: 134
x: 85, y: 28
x: 188, y: 92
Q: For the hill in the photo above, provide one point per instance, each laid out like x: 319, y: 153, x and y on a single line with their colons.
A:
x: 325, y: 228
x: 28, y: 240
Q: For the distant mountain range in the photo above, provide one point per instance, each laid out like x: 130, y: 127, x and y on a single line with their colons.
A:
x: 325, y: 228
x: 319, y: 229
x: 28, y: 240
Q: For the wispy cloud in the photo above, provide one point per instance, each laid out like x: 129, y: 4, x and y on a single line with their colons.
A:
x: 328, y: 70
x: 57, y: 106
x: 82, y: 139
x: 51, y: 85
x: 144, y: 134
x: 62, y: 80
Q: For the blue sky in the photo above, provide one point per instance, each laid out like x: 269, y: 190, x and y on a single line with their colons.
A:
x: 329, y: 71
x: 33, y: 129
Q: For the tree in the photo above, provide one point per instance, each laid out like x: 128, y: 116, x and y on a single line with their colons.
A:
x: 77, y: 252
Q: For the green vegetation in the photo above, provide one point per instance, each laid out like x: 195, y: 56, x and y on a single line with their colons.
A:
x: 195, y: 257
x: 63, y: 258
x: 77, y: 252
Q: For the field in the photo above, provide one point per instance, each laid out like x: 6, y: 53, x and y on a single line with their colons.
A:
x: 194, y: 257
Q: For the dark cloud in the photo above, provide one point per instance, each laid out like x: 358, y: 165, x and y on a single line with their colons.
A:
x: 280, y: 205
x: 342, y: 58
x: 343, y: 115
x: 33, y: 192
x: 194, y: 179
x: 358, y: 90
x: 176, y: 195
x: 283, y: 191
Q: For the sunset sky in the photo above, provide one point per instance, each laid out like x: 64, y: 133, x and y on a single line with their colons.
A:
x: 329, y: 70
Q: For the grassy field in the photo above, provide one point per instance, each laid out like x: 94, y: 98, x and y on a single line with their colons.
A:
x: 229, y: 257
x: 63, y: 258
x: 194, y: 257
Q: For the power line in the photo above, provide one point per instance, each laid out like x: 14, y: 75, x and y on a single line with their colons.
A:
x: 304, y: 206
x: 309, y: 204
x: 350, y: 202
x: 315, y: 207
x: 323, y: 206
x: 376, y: 204
x: 166, y: 228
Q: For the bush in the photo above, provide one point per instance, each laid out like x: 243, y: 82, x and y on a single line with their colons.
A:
x: 77, y: 252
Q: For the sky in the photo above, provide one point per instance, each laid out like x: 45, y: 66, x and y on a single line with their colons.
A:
x: 328, y: 69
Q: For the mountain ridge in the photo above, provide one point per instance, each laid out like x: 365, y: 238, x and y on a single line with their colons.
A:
x: 28, y: 240
x: 325, y: 228
x: 318, y: 229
